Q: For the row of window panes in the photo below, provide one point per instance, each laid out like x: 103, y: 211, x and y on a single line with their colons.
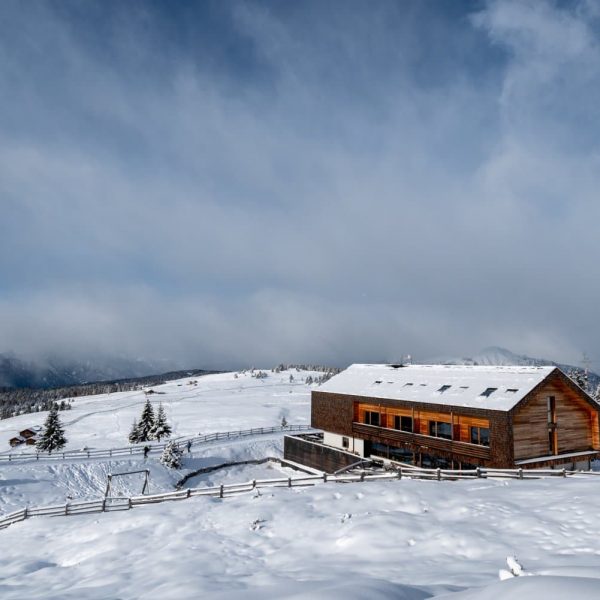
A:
x: 441, y: 429
x: 407, y: 456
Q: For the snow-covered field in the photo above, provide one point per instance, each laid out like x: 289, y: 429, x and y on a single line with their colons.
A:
x: 402, y: 539
x: 216, y: 403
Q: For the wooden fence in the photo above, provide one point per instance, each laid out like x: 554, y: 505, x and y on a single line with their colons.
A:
x: 110, y: 504
x: 138, y: 449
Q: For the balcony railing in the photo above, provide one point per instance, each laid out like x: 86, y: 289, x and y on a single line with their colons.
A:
x: 384, y: 434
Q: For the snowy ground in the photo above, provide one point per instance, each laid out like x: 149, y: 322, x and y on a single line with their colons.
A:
x: 217, y: 403
x: 402, y: 539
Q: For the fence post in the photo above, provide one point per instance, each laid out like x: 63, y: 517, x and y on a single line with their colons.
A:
x: 399, y: 472
x: 24, y: 513
x: 253, y: 483
x: 189, y: 492
x: 362, y: 476
x: 289, y: 482
x: 104, y: 504
x: 520, y: 473
x: 478, y: 472
x: 439, y: 474
x: 564, y: 472
x: 324, y: 477
x: 129, y: 503
x: 67, y: 508
x: 221, y: 491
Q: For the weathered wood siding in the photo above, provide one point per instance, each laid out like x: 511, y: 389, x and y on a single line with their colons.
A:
x: 461, y: 423
x: 576, y: 421
x: 337, y: 413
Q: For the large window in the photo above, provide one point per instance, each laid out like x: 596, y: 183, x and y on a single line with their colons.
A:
x: 403, y: 423
x: 399, y: 454
x: 440, y: 429
x: 372, y: 418
x: 480, y: 436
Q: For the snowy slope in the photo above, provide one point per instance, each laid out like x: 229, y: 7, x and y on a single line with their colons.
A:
x: 220, y: 402
x: 405, y: 539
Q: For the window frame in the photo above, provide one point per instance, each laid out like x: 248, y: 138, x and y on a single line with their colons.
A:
x: 369, y: 418
x: 478, y: 437
x: 434, y: 430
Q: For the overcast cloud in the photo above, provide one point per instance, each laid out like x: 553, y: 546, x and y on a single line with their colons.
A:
x: 236, y: 183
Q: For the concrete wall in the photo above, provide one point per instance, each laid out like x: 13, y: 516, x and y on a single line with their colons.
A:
x: 316, y: 456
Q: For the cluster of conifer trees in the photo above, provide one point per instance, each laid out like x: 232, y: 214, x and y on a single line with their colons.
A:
x: 582, y: 379
x: 151, y: 425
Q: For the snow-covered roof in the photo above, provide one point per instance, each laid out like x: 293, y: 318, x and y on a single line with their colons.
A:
x: 35, y: 429
x: 488, y: 387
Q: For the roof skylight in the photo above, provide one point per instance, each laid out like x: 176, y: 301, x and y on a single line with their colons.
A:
x: 488, y: 392
x: 444, y: 388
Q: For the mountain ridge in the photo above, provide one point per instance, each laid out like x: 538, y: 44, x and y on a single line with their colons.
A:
x: 18, y: 372
x: 498, y: 356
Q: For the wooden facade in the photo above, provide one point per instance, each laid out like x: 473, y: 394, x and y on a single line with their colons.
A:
x: 553, y: 422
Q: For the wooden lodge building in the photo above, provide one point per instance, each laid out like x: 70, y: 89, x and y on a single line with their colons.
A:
x: 451, y: 417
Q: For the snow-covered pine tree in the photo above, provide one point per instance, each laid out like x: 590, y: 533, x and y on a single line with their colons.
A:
x: 53, y: 435
x: 161, y: 429
x: 171, y: 456
x: 146, y: 424
x: 580, y: 377
x: 134, y: 434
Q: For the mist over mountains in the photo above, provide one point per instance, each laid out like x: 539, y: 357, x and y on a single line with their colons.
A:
x: 21, y: 372
x: 495, y: 355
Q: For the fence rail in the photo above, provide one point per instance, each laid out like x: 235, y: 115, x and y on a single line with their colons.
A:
x: 138, y: 449
x: 110, y: 504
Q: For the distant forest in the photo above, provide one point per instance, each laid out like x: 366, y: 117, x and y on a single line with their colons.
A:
x: 20, y: 401
x: 30, y: 400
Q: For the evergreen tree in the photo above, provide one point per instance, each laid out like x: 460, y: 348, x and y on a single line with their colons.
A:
x: 146, y: 424
x: 161, y: 428
x: 171, y: 456
x: 580, y: 377
x: 134, y: 434
x: 53, y: 435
